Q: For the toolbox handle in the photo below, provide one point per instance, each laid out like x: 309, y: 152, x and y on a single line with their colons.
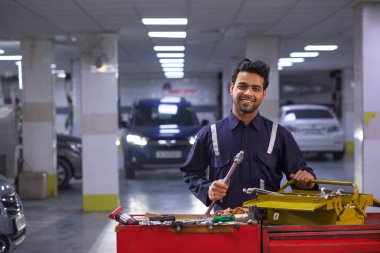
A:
x: 316, y: 181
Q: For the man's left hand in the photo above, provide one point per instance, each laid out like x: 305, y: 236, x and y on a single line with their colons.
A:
x: 302, y: 178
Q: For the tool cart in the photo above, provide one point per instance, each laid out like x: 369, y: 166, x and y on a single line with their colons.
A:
x: 301, y: 221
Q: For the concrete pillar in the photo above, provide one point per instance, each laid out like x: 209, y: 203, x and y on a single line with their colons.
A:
x: 99, y: 121
x: 367, y: 90
x: 76, y: 81
x: 348, y: 113
x: 267, y: 50
x: 39, y: 139
x: 228, y: 70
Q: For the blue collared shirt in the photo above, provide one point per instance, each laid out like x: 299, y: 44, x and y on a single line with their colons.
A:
x: 258, y: 168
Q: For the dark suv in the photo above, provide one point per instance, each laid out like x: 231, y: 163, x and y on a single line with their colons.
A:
x: 160, y: 133
x: 12, y: 219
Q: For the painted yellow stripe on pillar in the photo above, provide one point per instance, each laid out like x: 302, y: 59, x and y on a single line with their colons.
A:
x: 368, y: 116
x: 93, y: 203
x: 52, y: 185
x: 350, y: 147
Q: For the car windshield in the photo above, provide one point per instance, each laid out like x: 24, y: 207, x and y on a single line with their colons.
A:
x: 308, y: 114
x: 164, y: 114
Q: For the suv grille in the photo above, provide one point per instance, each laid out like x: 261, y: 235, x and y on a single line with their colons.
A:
x: 12, y: 204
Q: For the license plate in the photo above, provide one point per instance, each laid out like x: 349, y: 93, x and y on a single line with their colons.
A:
x: 20, y: 222
x: 168, y: 154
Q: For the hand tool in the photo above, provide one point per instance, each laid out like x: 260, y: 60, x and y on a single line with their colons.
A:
x: 120, y: 216
x: 258, y: 190
x: 237, y: 160
x: 223, y: 218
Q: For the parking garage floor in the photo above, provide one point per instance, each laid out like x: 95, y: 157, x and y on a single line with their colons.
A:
x: 59, y: 225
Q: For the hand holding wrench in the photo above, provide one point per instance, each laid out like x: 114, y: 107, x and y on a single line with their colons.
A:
x: 237, y: 160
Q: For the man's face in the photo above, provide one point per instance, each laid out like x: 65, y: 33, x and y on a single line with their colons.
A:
x: 247, y: 93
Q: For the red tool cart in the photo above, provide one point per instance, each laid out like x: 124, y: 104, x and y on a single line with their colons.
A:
x: 251, y: 238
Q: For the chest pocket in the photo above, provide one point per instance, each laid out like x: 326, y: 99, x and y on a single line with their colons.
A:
x: 218, y: 160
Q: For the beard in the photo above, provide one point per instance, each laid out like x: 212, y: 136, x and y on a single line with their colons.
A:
x: 246, y: 109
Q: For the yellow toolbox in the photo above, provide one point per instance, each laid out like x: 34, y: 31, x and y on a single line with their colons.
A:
x: 303, y: 207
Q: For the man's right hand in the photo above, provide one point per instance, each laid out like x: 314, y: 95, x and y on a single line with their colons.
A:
x: 217, y: 190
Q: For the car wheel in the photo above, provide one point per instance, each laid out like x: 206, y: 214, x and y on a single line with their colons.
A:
x: 4, y: 244
x: 64, y: 173
x: 338, y: 155
x: 130, y: 171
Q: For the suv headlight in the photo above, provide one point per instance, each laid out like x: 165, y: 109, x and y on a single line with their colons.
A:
x: 75, y: 146
x: 136, y: 140
x: 192, y: 139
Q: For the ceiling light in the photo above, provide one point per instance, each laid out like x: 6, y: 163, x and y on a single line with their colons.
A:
x: 172, y: 65
x: 164, y: 21
x: 169, y: 48
x: 2, y: 51
x: 291, y: 60
x: 167, y: 34
x: 10, y: 58
x: 170, y: 55
x: 320, y: 47
x: 280, y: 67
x: 304, y: 54
x: 172, y: 60
x: 174, y: 74
x: 284, y: 64
x: 172, y: 69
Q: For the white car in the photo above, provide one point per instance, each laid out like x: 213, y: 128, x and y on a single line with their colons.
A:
x: 315, y: 128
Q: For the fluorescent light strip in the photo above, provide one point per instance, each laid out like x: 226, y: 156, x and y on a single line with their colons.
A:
x: 19, y: 68
x: 164, y: 21
x: 284, y: 64
x: 172, y: 65
x: 304, y: 54
x: 174, y: 74
x: 321, y: 47
x: 291, y: 60
x: 172, y: 69
x: 169, y: 48
x: 172, y: 60
x: 2, y: 51
x: 167, y: 34
x: 10, y: 57
x: 170, y: 55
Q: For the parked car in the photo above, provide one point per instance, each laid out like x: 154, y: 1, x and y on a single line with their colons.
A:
x: 12, y: 219
x: 69, y: 159
x: 315, y: 128
x: 159, y: 134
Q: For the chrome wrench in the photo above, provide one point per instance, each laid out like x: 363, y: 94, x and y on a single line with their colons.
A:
x: 237, y: 160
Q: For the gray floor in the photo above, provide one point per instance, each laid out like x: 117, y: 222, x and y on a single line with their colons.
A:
x: 59, y: 225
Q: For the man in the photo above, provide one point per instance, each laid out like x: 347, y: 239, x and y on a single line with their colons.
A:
x: 269, y: 149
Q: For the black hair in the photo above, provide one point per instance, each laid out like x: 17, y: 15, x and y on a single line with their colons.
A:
x: 258, y: 67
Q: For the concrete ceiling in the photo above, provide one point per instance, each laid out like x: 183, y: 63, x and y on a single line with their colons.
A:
x: 216, y: 29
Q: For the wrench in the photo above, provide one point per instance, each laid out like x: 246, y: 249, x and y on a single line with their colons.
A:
x: 237, y: 160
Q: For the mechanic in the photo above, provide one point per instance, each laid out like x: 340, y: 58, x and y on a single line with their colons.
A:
x: 269, y: 149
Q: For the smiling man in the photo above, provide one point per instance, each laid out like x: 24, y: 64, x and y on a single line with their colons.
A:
x: 269, y: 149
